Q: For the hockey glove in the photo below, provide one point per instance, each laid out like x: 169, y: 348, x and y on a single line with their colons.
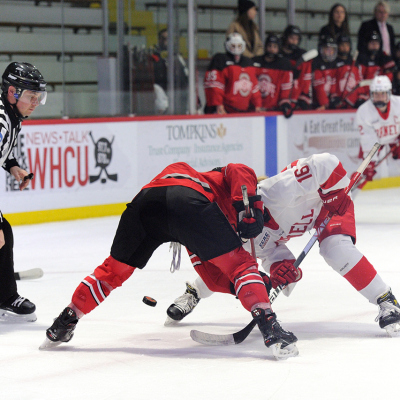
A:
x: 287, y: 109
x: 284, y: 272
x: 370, y: 171
x: 395, y: 149
x: 251, y: 226
x: 303, y: 104
x: 336, y: 201
x: 335, y: 103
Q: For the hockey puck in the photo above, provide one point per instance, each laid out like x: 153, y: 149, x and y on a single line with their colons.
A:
x: 149, y: 301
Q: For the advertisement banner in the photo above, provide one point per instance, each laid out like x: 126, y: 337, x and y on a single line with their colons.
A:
x: 203, y: 143
x: 74, y: 165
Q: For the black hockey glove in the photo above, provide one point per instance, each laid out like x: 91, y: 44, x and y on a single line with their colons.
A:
x: 250, y: 226
x: 335, y: 103
x: 303, y: 105
x: 287, y: 110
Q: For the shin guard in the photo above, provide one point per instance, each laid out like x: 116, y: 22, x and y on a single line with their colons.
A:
x: 94, y: 289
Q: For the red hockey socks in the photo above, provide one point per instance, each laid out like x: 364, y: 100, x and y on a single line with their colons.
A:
x: 94, y: 289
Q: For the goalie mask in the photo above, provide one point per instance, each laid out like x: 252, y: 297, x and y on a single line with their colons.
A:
x: 235, y: 44
x: 27, y: 80
x: 380, y: 91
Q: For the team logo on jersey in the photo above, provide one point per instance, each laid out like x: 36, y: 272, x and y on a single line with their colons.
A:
x: 264, y: 240
x: 267, y: 87
x: 102, y: 155
x: 243, y: 85
x: 329, y: 82
x: 348, y: 82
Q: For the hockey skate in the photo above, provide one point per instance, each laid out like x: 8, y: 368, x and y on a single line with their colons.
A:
x: 182, y: 306
x: 62, y: 329
x: 281, y: 342
x: 17, y: 309
x: 389, y: 313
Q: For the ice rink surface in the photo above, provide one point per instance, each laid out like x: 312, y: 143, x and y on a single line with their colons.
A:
x: 123, y: 351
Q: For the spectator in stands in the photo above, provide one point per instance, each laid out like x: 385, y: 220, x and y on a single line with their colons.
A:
x: 230, y: 83
x: 373, y: 62
x: 347, y: 77
x: 275, y: 78
x: 378, y: 24
x: 245, y: 25
x: 300, y: 95
x: 181, y: 77
x: 396, y: 54
x: 338, y: 23
x: 324, y: 73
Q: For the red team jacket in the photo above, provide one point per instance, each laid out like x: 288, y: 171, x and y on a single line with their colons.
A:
x: 324, y: 81
x: 275, y: 80
x: 222, y: 185
x: 232, y: 84
x: 302, y: 74
x: 347, y: 78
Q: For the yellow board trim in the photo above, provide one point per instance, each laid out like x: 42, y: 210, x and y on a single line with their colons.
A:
x: 384, y: 183
x: 65, y: 214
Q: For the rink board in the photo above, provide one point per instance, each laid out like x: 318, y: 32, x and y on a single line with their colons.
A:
x: 93, y: 167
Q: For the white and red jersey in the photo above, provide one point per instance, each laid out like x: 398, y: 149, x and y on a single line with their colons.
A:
x: 377, y: 127
x: 231, y: 84
x: 275, y: 80
x: 293, y: 202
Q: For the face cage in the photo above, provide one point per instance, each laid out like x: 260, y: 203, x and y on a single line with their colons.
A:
x: 331, y: 57
x: 236, y: 49
x: 380, y: 103
x: 27, y: 96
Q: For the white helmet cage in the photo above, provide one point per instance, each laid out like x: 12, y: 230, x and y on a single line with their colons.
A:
x: 380, y: 84
x: 235, y: 44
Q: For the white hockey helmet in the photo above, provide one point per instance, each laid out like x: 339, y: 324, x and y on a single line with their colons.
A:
x: 380, y: 84
x: 235, y: 44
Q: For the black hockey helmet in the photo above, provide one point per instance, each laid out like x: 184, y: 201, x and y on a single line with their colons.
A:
x: 23, y: 76
x: 271, y: 38
x: 374, y: 35
x: 327, y: 48
x: 291, y: 30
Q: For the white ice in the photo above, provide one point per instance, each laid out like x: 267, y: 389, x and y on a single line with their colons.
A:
x: 123, y: 351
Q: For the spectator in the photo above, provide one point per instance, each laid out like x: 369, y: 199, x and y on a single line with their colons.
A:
x: 230, y: 83
x: 324, y: 73
x: 181, y: 77
x: 275, y: 78
x: 300, y: 96
x: 338, y: 23
x: 374, y: 62
x: 396, y: 54
x: 347, y: 77
x: 378, y: 24
x: 245, y: 25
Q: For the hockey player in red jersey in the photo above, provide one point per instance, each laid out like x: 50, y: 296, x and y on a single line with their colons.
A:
x: 202, y: 211
x: 296, y: 201
x: 275, y: 78
x: 347, y: 77
x: 378, y: 120
x: 324, y: 73
x: 230, y: 83
x: 374, y: 62
x: 300, y: 95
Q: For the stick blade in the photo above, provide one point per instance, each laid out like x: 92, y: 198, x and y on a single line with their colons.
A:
x: 211, y: 339
x: 309, y: 55
x: 34, y: 273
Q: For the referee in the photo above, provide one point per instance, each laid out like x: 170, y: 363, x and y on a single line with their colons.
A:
x: 23, y: 89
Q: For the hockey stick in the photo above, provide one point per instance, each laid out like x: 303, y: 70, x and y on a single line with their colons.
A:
x: 248, y: 215
x: 238, y: 337
x: 34, y: 273
x: 353, y: 63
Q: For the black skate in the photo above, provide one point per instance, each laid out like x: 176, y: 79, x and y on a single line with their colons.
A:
x: 182, y: 306
x: 62, y: 329
x: 389, y: 313
x: 16, y: 309
x: 280, y: 341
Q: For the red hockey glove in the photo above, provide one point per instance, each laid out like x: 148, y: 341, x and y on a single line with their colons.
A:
x: 370, y: 171
x: 250, y: 227
x: 336, y: 201
x: 284, y: 272
x: 395, y: 149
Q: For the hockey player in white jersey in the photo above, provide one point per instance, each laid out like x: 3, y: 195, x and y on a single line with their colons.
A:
x: 378, y: 120
x: 297, y: 200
